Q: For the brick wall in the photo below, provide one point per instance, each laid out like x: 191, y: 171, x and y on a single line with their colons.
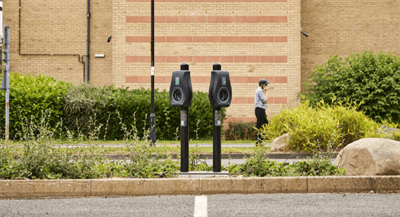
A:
x: 59, y: 28
x: 251, y: 39
x: 339, y: 27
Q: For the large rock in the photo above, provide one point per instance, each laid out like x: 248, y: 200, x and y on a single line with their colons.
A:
x: 281, y: 143
x: 370, y: 156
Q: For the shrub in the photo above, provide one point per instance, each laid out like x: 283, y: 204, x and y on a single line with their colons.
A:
x: 142, y: 164
x: 373, y: 79
x: 240, y: 131
x: 113, y: 109
x: 311, y: 129
x: 40, y: 158
x: 43, y: 160
x: 353, y: 124
x: 30, y: 96
x: 308, y: 129
x: 258, y: 166
x: 86, y: 105
x: 86, y: 111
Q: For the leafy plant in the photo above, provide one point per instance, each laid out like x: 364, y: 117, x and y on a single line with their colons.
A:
x: 40, y: 158
x: 258, y: 166
x: 109, y: 104
x: 370, y: 79
x: 195, y: 163
x: 74, y: 108
x: 311, y: 128
x: 240, y: 131
x: 29, y: 96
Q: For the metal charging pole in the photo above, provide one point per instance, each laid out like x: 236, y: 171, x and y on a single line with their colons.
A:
x: 184, y: 139
x: 217, y: 140
x: 184, y: 133
x: 217, y: 133
x: 152, y: 114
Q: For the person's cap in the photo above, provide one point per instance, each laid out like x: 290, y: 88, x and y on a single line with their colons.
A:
x: 263, y: 81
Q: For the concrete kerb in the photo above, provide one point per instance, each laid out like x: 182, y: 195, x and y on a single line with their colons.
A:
x: 34, y: 189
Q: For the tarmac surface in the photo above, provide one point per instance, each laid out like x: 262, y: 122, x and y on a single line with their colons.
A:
x: 317, y: 205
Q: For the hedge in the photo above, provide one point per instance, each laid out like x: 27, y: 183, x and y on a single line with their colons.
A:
x: 30, y: 98
x: 240, y: 131
x: 101, y: 112
x: 111, y: 105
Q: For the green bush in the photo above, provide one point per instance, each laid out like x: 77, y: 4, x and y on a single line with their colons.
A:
x: 85, y: 107
x: 373, y: 79
x: 311, y: 129
x: 83, y: 111
x: 40, y: 158
x: 240, y: 131
x: 30, y: 96
x: 258, y: 166
x: 113, y: 109
x: 43, y: 160
x: 308, y: 129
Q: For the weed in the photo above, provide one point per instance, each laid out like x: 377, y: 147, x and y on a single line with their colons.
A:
x: 258, y: 165
x: 196, y: 164
x: 41, y: 158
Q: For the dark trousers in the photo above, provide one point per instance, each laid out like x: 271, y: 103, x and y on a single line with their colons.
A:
x: 261, y: 120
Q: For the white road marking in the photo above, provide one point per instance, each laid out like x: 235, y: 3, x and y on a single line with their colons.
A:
x: 200, y: 206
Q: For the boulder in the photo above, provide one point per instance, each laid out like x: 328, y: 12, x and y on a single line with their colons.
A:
x: 370, y: 156
x: 281, y: 143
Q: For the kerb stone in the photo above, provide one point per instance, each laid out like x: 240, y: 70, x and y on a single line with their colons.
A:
x: 13, y: 189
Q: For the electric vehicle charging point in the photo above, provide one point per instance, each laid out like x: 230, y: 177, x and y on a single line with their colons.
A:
x: 180, y: 94
x: 220, y: 95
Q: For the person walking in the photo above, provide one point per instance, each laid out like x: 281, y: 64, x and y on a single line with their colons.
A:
x: 260, y: 105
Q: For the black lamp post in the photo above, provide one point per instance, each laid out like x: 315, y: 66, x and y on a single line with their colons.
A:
x: 152, y: 115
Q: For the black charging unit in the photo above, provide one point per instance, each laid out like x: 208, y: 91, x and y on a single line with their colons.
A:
x: 220, y: 95
x: 180, y: 94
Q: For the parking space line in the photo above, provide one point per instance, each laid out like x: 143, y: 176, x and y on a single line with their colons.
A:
x: 200, y: 206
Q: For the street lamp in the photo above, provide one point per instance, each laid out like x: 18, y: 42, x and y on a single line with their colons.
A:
x: 152, y: 115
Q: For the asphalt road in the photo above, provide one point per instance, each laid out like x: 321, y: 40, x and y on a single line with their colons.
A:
x: 216, y: 205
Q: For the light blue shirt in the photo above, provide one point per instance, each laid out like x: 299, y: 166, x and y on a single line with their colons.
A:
x: 259, y: 99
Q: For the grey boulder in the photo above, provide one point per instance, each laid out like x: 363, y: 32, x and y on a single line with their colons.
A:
x: 280, y: 144
x: 370, y: 156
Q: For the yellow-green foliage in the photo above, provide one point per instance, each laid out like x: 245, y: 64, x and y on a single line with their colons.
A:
x: 396, y: 136
x: 335, y: 125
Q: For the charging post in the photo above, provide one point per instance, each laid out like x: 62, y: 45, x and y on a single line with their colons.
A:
x: 220, y: 95
x: 180, y: 95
